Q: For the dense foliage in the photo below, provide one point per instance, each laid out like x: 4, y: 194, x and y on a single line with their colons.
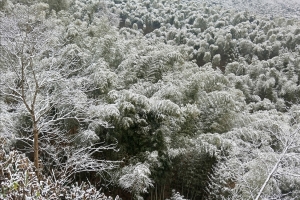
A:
x: 155, y: 99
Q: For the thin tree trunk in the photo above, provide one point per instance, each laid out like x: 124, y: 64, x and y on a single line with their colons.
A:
x: 156, y: 192
x: 36, y: 150
x: 159, y: 197
x: 272, y: 172
x: 163, y: 192
x: 187, y: 194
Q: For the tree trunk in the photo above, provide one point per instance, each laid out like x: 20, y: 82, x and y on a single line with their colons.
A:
x: 272, y: 171
x: 163, y: 192
x: 36, y: 149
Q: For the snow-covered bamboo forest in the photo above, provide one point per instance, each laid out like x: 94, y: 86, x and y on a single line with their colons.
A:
x: 149, y: 99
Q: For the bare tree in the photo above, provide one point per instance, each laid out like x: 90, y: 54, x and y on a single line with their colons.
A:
x: 263, y: 162
x: 42, y: 78
x: 288, y: 139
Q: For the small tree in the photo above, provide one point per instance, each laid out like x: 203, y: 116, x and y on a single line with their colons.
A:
x: 23, y: 39
x: 45, y: 81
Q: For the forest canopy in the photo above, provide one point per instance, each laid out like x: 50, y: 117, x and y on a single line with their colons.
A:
x: 156, y: 99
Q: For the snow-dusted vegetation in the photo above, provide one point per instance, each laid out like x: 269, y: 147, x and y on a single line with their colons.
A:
x: 156, y: 99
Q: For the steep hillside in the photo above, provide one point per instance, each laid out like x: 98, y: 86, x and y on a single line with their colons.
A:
x: 156, y: 99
